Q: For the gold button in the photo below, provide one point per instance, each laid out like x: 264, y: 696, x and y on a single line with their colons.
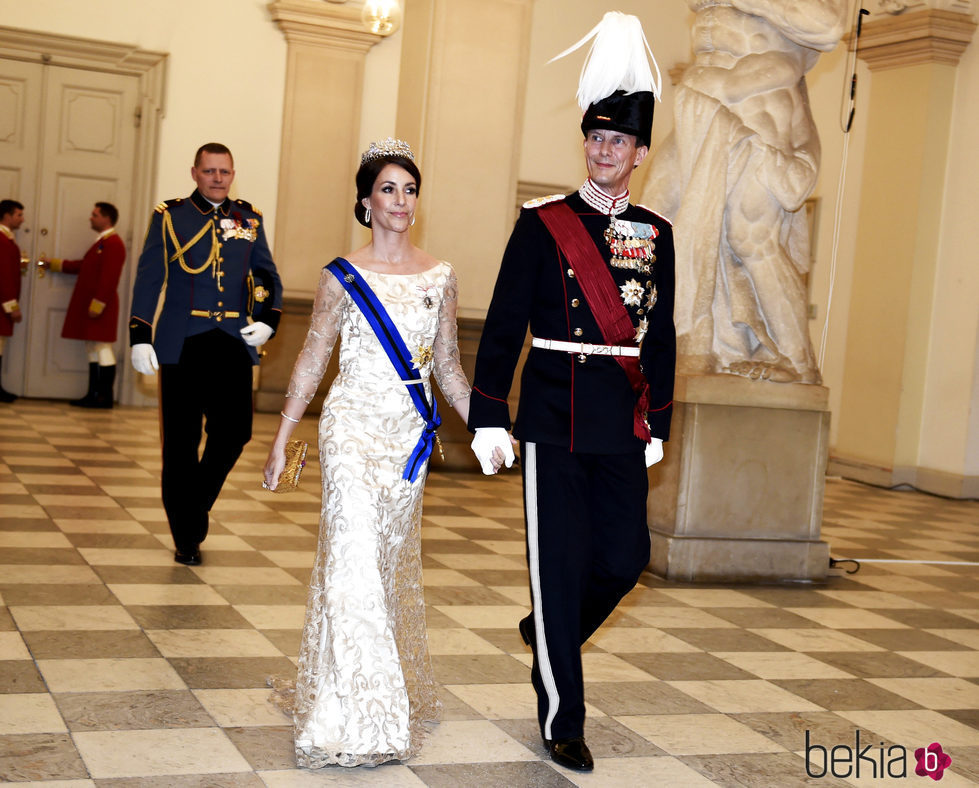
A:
x: 578, y: 332
x: 575, y: 302
x: 571, y: 273
x: 220, y: 303
x: 582, y: 358
x: 218, y: 318
x: 638, y: 311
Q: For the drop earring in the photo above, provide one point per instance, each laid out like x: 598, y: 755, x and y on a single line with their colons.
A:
x: 412, y: 222
x: 367, y: 214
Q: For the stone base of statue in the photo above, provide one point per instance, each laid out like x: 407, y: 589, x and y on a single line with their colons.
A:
x: 738, y: 496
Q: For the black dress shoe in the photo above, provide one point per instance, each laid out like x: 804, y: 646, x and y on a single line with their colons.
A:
x: 571, y: 753
x: 526, y: 628
x: 188, y: 558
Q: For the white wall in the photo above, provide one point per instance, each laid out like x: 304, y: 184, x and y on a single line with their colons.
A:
x: 225, y: 79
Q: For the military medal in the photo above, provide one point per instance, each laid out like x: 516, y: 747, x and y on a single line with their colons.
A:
x: 631, y: 244
x: 423, y: 356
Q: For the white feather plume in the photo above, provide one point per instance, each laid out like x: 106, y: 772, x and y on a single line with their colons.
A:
x: 616, y: 60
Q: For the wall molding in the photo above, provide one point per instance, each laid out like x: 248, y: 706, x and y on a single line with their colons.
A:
x: 914, y: 38
x: 929, y: 480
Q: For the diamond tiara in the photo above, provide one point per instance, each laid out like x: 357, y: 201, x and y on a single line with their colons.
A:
x: 388, y: 147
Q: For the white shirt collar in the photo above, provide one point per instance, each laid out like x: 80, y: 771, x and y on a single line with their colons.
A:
x: 7, y: 231
x: 105, y: 233
x: 600, y: 201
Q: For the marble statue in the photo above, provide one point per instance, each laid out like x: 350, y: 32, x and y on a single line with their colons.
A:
x: 734, y: 176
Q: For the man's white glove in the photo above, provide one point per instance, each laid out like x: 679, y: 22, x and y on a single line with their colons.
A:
x: 144, y: 358
x: 256, y: 334
x: 654, y: 451
x: 487, y: 439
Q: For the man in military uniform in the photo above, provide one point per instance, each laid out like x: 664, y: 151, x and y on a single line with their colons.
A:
x: 11, y: 217
x: 223, y: 299
x: 592, y: 275
x: 93, y: 311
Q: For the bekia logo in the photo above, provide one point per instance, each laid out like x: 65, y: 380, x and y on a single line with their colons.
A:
x: 844, y: 761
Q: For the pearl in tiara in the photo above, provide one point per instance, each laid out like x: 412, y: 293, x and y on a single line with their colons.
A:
x: 388, y: 147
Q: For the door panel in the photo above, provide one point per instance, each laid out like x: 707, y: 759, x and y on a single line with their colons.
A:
x: 88, y: 155
x: 21, y: 88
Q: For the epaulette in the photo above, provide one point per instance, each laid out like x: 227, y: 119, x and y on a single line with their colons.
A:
x: 654, y: 213
x: 248, y: 206
x: 537, y: 202
x: 161, y: 207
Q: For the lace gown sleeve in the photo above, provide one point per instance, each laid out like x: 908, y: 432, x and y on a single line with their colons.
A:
x: 448, y: 370
x: 324, y: 327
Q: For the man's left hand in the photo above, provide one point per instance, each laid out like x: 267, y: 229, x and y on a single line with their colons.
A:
x: 654, y: 451
x: 256, y: 334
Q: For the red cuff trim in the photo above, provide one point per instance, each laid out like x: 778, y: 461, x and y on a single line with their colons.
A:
x: 134, y: 317
x: 654, y: 410
x: 488, y: 396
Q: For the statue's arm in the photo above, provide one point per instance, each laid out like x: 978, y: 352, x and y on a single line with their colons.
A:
x: 817, y: 24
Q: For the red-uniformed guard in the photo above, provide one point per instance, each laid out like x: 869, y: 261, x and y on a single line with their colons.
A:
x: 11, y: 217
x: 93, y: 311
x: 592, y: 275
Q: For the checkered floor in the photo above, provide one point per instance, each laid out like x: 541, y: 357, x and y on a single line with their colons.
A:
x: 119, y: 667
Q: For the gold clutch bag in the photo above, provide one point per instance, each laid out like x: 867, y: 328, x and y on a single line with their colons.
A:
x: 295, y: 462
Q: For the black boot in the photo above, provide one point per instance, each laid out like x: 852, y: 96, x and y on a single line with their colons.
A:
x: 93, y: 382
x: 103, y: 388
x: 5, y: 396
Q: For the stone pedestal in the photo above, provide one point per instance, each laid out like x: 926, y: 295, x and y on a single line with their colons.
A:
x: 738, y: 496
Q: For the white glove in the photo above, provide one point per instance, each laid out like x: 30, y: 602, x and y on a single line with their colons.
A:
x: 256, y: 334
x: 487, y: 439
x: 654, y: 451
x: 144, y: 358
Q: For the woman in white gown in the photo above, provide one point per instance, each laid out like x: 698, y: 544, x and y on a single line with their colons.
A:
x: 365, y: 685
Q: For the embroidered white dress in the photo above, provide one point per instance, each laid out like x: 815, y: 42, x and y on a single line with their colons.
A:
x: 365, y: 684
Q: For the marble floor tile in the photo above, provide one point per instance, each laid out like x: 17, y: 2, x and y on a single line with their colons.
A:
x: 12, y: 646
x: 711, y: 597
x: 106, y: 556
x: 814, y: 640
x: 470, y: 741
x: 491, y: 775
x: 837, y: 694
x: 876, y: 664
x: 640, y: 698
x: 847, y: 618
x: 643, y: 640
x: 390, y: 775
x: 683, y: 666
x: 914, y: 728
x: 20, y: 676
x: 158, y: 752
x: 458, y: 641
x: 29, y: 713
x: 143, y: 709
x: 699, y: 734
x: 109, y: 674
x: 273, y: 616
x: 760, y: 770
x: 80, y: 644
x: 484, y: 616
x: 167, y: 594
x: 680, y: 617
x: 731, y: 639
x: 231, y: 672
x: 966, y: 637
x: 212, y: 643
x: 483, y: 668
x: 265, y: 747
x: 665, y: 771
x: 48, y: 758
x: 934, y: 693
x: 63, y: 574
x: 498, y: 701
x: 446, y: 577
x: 241, y: 707
x: 72, y: 617
x: 252, y: 576
x: 736, y: 697
x: 782, y: 665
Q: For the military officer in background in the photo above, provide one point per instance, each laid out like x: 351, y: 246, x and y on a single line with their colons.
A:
x: 93, y: 311
x: 592, y: 275
x: 11, y: 217
x: 223, y: 299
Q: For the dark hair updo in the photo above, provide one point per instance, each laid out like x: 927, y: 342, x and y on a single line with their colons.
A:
x: 367, y: 176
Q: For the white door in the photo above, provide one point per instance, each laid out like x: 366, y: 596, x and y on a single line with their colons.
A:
x: 85, y: 153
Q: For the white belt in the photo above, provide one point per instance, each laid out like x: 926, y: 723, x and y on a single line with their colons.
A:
x: 584, y: 348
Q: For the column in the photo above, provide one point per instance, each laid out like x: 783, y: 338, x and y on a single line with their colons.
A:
x: 913, y: 60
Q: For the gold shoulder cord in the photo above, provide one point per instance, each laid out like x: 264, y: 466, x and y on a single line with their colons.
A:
x: 180, y: 250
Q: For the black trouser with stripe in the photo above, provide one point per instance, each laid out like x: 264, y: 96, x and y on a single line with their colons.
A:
x: 212, y: 382
x: 587, y: 544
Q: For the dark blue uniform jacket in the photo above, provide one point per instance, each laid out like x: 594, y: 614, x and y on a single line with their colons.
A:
x: 585, y: 405
x: 228, y: 268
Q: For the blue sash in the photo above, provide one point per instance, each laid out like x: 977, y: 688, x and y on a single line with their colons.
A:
x: 400, y: 356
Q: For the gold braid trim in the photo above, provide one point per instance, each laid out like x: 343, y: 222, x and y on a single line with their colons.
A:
x: 180, y: 250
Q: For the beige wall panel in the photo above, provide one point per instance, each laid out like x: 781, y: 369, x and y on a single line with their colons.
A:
x: 461, y: 105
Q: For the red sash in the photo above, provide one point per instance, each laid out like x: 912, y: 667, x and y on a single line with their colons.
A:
x: 602, y: 296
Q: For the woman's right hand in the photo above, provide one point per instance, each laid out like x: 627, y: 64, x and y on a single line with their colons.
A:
x: 274, y: 466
